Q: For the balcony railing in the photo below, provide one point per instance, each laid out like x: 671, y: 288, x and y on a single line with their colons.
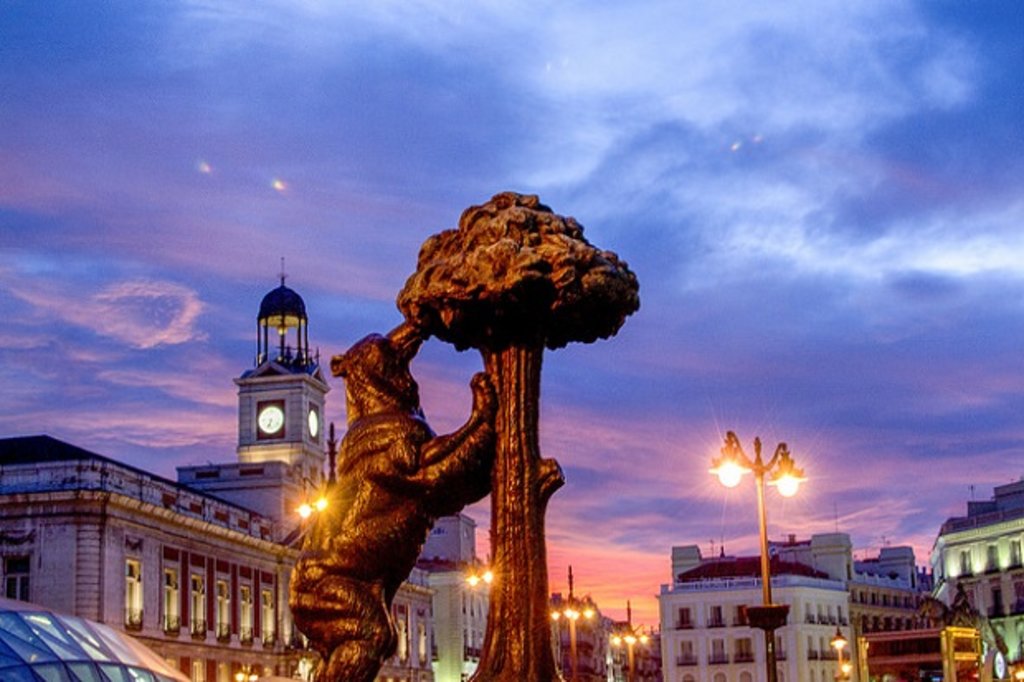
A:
x: 172, y: 624
x: 780, y: 655
x: 716, y: 623
x: 743, y: 657
x: 133, y: 619
x: 223, y: 632
x: 686, y: 659
x: 245, y: 635
x: 684, y: 625
x: 198, y: 628
x: 269, y: 639
x: 812, y: 655
x: 718, y: 659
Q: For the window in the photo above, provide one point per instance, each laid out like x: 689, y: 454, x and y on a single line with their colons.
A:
x: 197, y: 600
x: 1015, y: 558
x: 718, y: 654
x: 198, y: 670
x: 222, y: 614
x: 268, y: 619
x: 245, y: 613
x: 744, y: 650
x: 16, y: 570
x: 715, y: 619
x: 402, y: 628
x: 684, y: 620
x: 997, y: 600
x: 133, y: 594
x: 172, y: 619
x: 992, y: 558
x: 421, y: 642
x: 965, y: 562
x: 740, y: 616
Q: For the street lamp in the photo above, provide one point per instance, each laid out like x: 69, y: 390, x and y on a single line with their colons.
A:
x: 629, y: 636
x: 730, y: 469
x: 319, y: 504
x: 572, y: 610
x: 839, y: 643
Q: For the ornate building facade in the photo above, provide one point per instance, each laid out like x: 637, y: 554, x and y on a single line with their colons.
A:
x: 982, y: 554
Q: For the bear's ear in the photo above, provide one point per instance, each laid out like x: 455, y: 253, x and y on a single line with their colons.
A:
x: 339, y: 367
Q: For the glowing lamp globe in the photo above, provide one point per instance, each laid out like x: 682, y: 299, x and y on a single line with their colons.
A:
x: 787, y: 485
x: 730, y: 473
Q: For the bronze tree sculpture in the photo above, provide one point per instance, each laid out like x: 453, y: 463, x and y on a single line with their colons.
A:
x: 394, y: 478
x: 513, y: 279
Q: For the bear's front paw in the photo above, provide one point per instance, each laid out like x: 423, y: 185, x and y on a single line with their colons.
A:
x: 485, y: 400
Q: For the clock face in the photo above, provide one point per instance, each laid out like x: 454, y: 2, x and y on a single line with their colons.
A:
x: 314, y: 422
x: 271, y: 419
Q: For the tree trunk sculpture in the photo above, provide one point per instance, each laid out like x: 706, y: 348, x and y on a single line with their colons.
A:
x: 513, y: 279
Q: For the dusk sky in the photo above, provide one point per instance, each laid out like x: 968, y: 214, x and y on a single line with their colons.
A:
x: 823, y: 202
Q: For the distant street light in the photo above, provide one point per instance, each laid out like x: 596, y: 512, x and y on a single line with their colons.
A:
x: 629, y: 636
x: 839, y: 643
x: 572, y: 610
x: 730, y: 469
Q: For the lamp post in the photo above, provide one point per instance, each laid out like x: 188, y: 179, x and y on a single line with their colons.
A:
x: 630, y: 637
x: 572, y: 610
x: 839, y: 643
x: 730, y: 468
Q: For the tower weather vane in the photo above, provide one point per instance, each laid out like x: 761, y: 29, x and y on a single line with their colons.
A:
x: 513, y: 279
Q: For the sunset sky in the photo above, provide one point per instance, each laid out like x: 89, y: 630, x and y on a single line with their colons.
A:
x: 823, y: 202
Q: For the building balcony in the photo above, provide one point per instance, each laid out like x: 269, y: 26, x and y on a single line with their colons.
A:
x: 716, y: 623
x: 686, y: 660
x: 718, y: 659
x: 133, y: 619
x: 812, y: 655
x: 245, y: 635
x: 810, y: 619
x: 744, y: 657
x: 780, y: 655
x: 197, y: 628
x: 269, y: 639
x: 684, y: 625
x: 829, y: 655
x: 172, y: 624
x: 223, y: 632
x: 470, y: 653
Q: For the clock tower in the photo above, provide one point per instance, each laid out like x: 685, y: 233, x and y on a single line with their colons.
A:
x: 281, y: 399
x: 280, y: 463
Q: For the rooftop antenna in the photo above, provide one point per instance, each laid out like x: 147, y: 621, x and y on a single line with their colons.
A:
x: 835, y: 513
x: 971, y: 488
x: 283, y: 274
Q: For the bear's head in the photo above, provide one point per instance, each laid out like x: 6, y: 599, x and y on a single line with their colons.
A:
x: 377, y: 376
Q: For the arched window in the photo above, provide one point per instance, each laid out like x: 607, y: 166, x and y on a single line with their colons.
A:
x: 688, y: 678
x: 746, y: 677
x: 719, y: 677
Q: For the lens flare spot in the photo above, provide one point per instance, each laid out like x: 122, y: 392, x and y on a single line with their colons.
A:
x: 279, y: 185
x: 203, y: 167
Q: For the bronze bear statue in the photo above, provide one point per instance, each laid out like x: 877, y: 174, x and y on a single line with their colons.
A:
x: 394, y: 479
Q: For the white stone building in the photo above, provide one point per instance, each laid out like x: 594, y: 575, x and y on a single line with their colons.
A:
x: 704, y: 635
x: 460, y: 606
x: 982, y: 552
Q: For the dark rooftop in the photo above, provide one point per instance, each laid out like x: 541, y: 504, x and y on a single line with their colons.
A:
x: 746, y: 567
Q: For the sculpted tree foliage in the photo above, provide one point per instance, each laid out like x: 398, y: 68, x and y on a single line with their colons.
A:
x: 512, y: 280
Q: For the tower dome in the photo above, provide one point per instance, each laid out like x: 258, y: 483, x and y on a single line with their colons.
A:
x: 282, y: 306
x: 282, y: 310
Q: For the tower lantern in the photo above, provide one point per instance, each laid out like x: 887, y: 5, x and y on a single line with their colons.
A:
x: 281, y: 311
